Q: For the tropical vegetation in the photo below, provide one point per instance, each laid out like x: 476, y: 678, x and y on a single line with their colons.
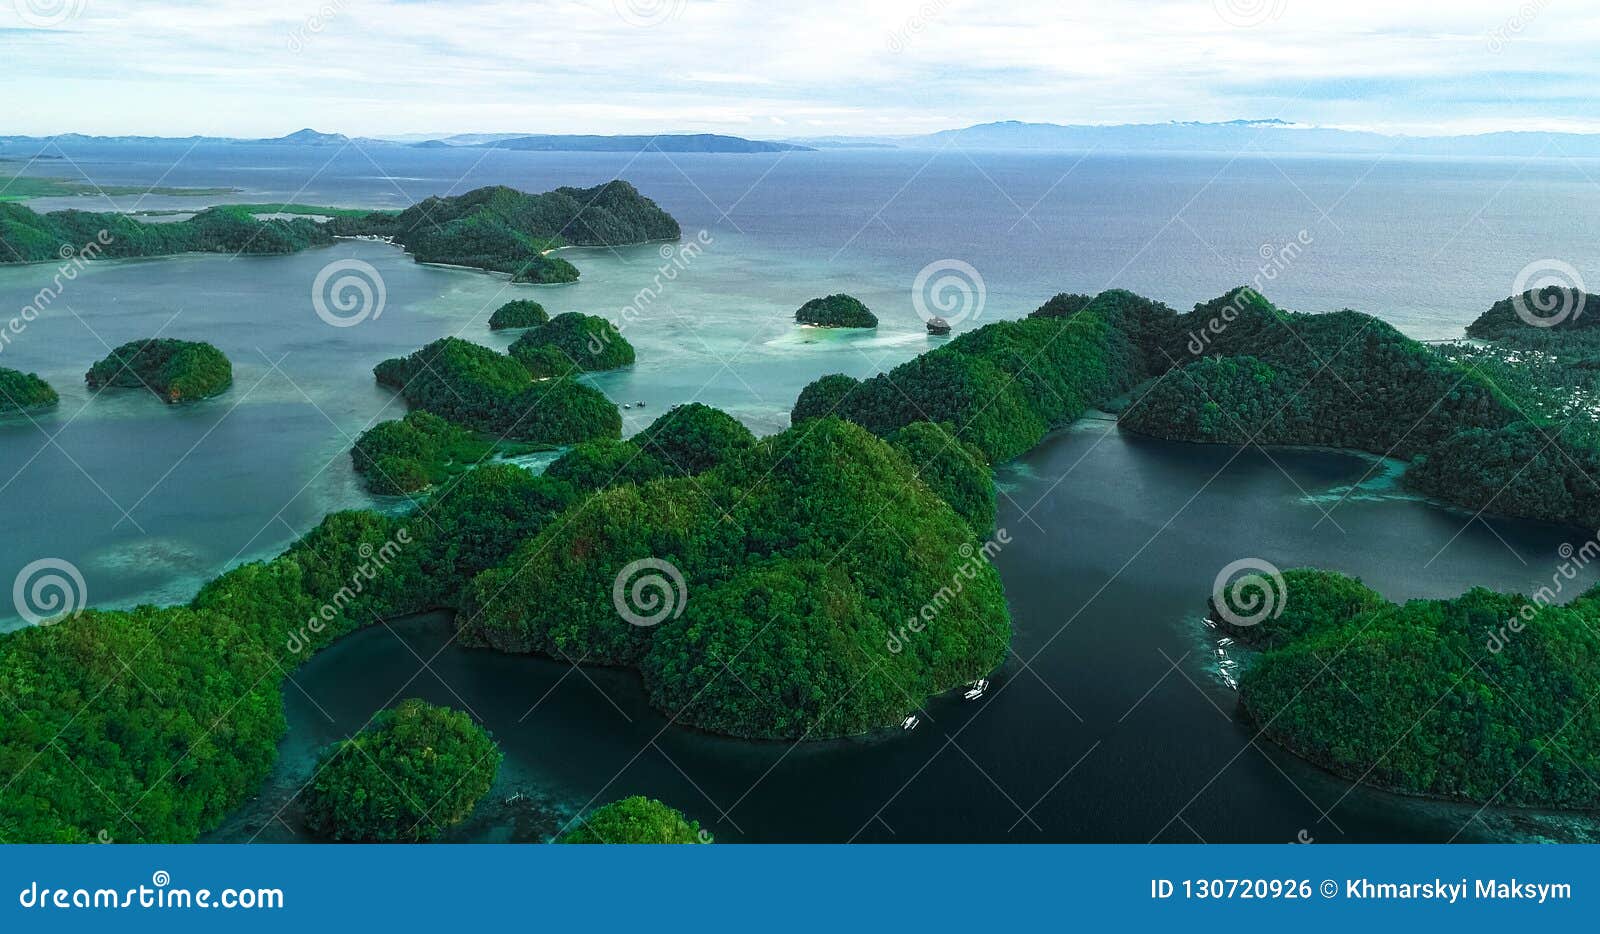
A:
x: 1481, y: 698
x: 635, y: 820
x: 509, y: 231
x: 583, y: 342
x: 413, y: 773
x: 22, y: 392
x: 836, y: 311
x: 521, y: 313
x: 413, y: 453
x: 479, y: 388
x: 175, y: 370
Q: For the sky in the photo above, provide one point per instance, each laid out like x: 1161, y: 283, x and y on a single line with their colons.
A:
x: 775, y: 69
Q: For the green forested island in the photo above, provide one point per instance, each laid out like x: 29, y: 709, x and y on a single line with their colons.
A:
x: 570, y: 342
x: 478, y: 388
x: 26, y: 236
x: 415, y: 452
x: 509, y: 231
x: 175, y: 370
x: 687, y: 440
x: 836, y: 311
x: 1478, y: 425
x: 635, y: 820
x: 414, y: 772
x: 497, y: 229
x: 22, y: 392
x: 760, y: 539
x: 1503, y: 683
x: 522, y: 313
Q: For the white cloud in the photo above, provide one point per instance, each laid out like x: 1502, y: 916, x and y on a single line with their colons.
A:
x: 382, y: 66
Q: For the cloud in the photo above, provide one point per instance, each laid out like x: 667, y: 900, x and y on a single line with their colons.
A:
x: 383, y: 66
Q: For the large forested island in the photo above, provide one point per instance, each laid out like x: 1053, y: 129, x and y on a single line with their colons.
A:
x: 498, y: 229
x: 508, y: 231
x: 1485, y: 697
x: 798, y: 598
x: 29, y: 237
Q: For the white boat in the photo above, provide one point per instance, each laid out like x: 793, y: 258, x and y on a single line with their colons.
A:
x: 910, y: 723
x: 976, y: 689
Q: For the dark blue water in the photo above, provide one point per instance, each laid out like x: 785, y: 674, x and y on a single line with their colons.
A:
x: 1113, y: 720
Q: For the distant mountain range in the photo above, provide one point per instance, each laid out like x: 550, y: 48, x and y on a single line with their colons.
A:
x: 685, y: 142
x: 699, y: 142
x: 1234, y: 136
x: 1268, y: 136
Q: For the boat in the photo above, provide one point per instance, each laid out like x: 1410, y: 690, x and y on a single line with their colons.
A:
x: 976, y: 689
x: 910, y: 722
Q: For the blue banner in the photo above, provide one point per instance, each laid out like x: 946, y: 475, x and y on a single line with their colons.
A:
x: 761, y: 888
